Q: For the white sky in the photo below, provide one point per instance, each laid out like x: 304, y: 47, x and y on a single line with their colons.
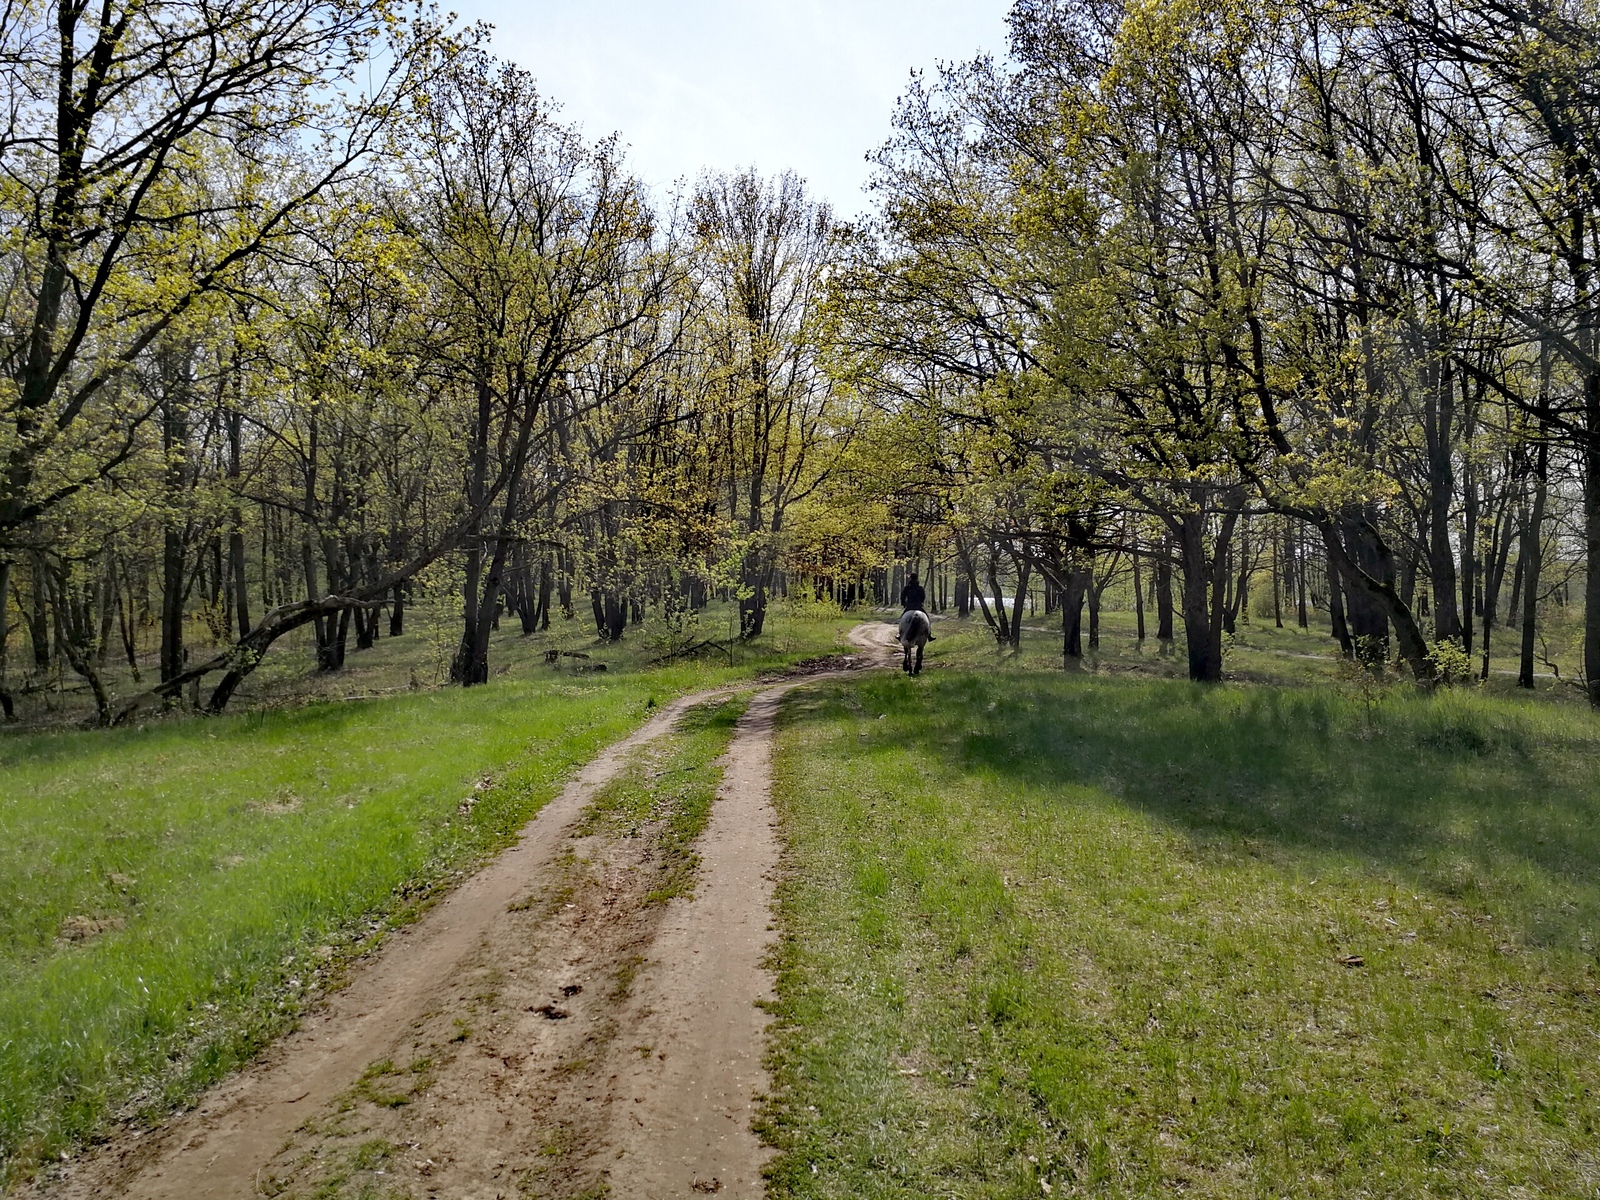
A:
x: 808, y: 84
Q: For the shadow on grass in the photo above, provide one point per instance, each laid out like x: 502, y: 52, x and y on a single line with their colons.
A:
x: 1487, y: 801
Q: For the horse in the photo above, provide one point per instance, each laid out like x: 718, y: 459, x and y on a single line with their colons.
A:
x: 915, y: 633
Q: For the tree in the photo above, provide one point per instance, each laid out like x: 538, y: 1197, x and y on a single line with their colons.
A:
x: 538, y: 251
x: 763, y: 248
x: 119, y: 114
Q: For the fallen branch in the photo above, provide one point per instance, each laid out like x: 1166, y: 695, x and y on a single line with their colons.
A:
x: 693, y: 648
x: 245, y: 655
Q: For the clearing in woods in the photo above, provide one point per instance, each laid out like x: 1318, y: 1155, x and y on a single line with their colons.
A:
x: 580, y: 1015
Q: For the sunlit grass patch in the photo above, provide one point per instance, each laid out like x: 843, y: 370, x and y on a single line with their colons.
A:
x: 1257, y: 652
x: 1126, y: 937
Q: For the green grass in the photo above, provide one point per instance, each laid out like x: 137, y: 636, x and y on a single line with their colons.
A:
x: 1083, y: 936
x: 419, y: 659
x: 666, y: 791
x: 1258, y: 651
x: 171, y: 896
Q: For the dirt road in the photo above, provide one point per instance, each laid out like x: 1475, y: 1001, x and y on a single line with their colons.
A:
x: 542, y: 1031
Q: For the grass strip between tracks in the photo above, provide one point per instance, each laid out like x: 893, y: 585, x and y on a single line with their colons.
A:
x: 666, y: 792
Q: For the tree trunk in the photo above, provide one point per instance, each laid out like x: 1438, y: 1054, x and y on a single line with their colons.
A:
x: 75, y: 637
x: 1163, y: 582
x: 174, y: 581
x: 173, y: 591
x: 366, y: 627
x: 1229, y: 605
x: 1530, y: 560
x: 1591, y: 539
x: 38, y: 619
x: 1438, y: 422
x: 471, y: 663
x: 126, y: 624
x: 975, y: 592
x: 240, y: 584
x: 1341, y: 627
x: 522, y: 582
x: 341, y: 639
x: 105, y: 600
x: 564, y: 591
x: 1241, y: 594
x: 1072, y: 597
x: 546, y: 580
x: 1495, y: 577
x: 610, y: 615
x: 397, y: 612
x: 1364, y: 613
x: 1138, y: 595
x: 753, y: 607
x: 1204, y: 583
x: 1368, y: 574
x: 218, y: 598
x: 1196, y: 606
x: 1002, y: 619
x: 7, y: 709
x: 1298, y: 567
x: 323, y: 627
x: 236, y: 570
x: 1469, y: 556
x: 464, y: 668
x: 1277, y: 585
x: 1024, y: 577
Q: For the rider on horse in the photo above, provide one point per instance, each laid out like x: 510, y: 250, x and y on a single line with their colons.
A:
x: 914, y: 598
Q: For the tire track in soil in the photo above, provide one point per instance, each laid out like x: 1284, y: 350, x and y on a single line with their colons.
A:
x: 514, y: 1042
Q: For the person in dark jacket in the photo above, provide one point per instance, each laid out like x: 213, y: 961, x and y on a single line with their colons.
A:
x: 912, y: 596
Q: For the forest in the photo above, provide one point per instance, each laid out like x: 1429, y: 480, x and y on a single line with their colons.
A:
x: 314, y: 313
x: 448, y: 589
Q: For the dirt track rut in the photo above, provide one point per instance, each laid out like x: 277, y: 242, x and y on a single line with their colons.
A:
x: 540, y: 1032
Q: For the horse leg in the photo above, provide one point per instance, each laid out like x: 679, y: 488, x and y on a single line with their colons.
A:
x: 918, y: 670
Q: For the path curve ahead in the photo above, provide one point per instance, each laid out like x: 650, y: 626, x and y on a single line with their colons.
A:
x: 652, y: 1086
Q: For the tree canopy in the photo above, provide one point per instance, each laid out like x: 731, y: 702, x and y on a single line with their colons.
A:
x: 313, y: 311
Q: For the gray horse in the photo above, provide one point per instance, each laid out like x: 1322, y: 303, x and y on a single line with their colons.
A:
x: 915, y: 633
